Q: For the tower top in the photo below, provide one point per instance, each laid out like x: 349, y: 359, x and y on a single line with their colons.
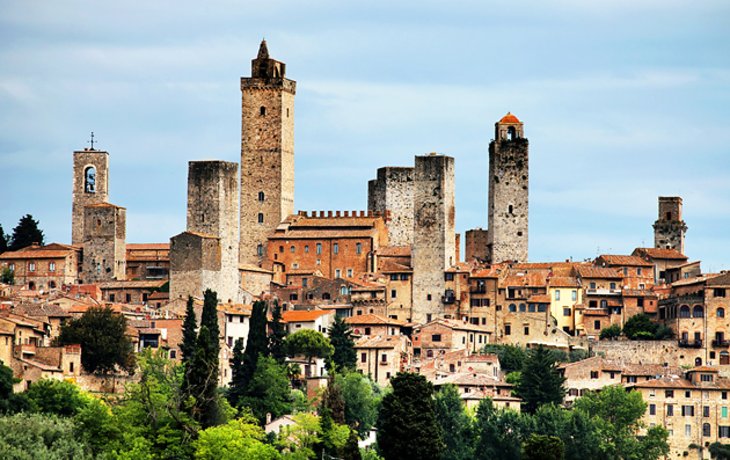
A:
x: 263, y: 50
x: 509, y: 118
x: 266, y: 68
x: 508, y: 127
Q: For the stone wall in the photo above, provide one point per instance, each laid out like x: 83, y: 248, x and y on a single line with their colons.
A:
x: 648, y: 352
x: 392, y: 191
x: 83, y: 196
x: 104, y: 244
x: 669, y: 229
x: 433, y: 233
x: 476, y: 244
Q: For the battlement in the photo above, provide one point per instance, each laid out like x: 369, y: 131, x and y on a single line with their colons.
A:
x: 344, y: 214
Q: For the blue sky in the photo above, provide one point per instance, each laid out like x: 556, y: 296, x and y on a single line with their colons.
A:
x: 623, y: 101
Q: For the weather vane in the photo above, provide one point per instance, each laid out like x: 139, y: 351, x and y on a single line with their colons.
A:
x: 92, y: 140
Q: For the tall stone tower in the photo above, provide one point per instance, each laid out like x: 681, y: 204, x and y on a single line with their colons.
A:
x: 90, y: 186
x: 206, y: 255
x: 669, y: 229
x: 267, y: 153
x: 392, y: 191
x: 508, y: 192
x: 434, y: 238
x: 105, y: 229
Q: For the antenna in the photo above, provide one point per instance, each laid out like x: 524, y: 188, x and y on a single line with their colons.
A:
x: 91, y: 141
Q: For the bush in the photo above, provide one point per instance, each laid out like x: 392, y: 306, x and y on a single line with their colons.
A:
x: 611, y: 332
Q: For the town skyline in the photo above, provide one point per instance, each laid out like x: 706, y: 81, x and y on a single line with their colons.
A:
x: 373, y: 119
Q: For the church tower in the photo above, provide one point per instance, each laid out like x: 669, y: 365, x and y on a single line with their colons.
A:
x: 90, y: 186
x: 267, y: 153
x: 508, y: 192
x: 669, y: 229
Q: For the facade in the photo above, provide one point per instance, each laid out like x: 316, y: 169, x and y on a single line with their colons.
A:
x: 477, y: 240
x: 90, y: 186
x: 148, y: 261
x: 508, y: 192
x: 267, y: 153
x: 206, y: 255
x: 381, y: 358
x: 392, y: 192
x: 105, y: 231
x: 433, y: 234
x: 669, y: 228
x: 45, y: 268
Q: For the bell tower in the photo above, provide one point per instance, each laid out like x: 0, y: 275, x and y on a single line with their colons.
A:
x: 267, y: 153
x: 508, y: 192
x: 90, y: 186
x: 669, y: 228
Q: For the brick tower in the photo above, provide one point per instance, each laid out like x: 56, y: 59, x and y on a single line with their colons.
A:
x: 90, y: 186
x: 392, y: 191
x: 669, y: 229
x: 105, y: 230
x: 433, y: 233
x: 508, y: 192
x: 267, y: 153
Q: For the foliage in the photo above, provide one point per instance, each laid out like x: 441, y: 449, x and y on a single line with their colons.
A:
x: 29, y: 436
x: 344, y: 357
x: 102, y: 336
x: 455, y: 424
x: 268, y: 391
x: 7, y: 276
x: 256, y: 344
x: 351, y: 451
x: 308, y: 343
x: 189, y: 332
x: 209, y: 318
x: 277, y: 336
x: 499, y: 432
x: 302, y: 437
x: 238, y: 439
x: 10, y: 402
x: 578, y: 354
x: 538, y: 447
x: 641, y: 327
x: 235, y: 390
x: 362, y: 399
x: 720, y: 451
x: 332, y: 418
x: 4, y: 240
x: 25, y: 233
x: 511, y: 357
x: 56, y: 397
x: 407, y: 426
x: 96, y: 426
x: 201, y: 381
x: 540, y: 382
x: 611, y: 332
x: 300, y: 402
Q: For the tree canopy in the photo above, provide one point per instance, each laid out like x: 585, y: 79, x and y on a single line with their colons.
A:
x: 4, y: 240
x: 540, y: 382
x: 26, y: 233
x: 344, y: 357
x: 308, y: 343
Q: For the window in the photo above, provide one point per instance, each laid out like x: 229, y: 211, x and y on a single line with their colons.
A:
x: 574, y: 295
x: 90, y: 180
x: 349, y: 273
x: 111, y: 297
x: 173, y: 354
x: 612, y: 286
x: 720, y: 312
x: 698, y: 311
x: 428, y: 297
x: 652, y: 409
x: 638, y: 271
x: 11, y: 267
x: 384, y: 358
x: 684, y: 311
x: 358, y: 248
x: 261, y: 218
x: 706, y: 377
x: 337, y: 273
x: 436, y: 337
x: 670, y: 410
x: 512, y: 307
x: 305, y: 282
x: 363, y: 357
x: 393, y: 293
x: 626, y: 271
x: 523, y: 308
x: 448, y: 277
x: 260, y: 250
x: 507, y: 329
x: 394, y: 277
x: 557, y: 294
x: 719, y: 292
x: 51, y: 266
x: 128, y: 297
x: 688, y: 394
x: 31, y: 266
x: 344, y: 290
x: 404, y: 277
x: 262, y: 111
x: 527, y: 330
x: 593, y: 285
x: 723, y: 412
x: 566, y: 311
x: 688, y: 430
x: 319, y: 248
x: 642, y: 286
x: 668, y: 393
x: 688, y: 411
x: 367, y: 331
x: 724, y: 395
x: 706, y: 411
x: 335, y: 248
x: 292, y: 249
x: 723, y: 431
x: 597, y: 325
x: 594, y: 374
x: 261, y: 196
x: 604, y: 303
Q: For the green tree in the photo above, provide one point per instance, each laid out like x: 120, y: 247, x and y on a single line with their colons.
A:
x: 540, y: 382
x: 256, y: 344
x: 26, y: 233
x: 240, y: 439
x: 29, y: 436
x: 332, y: 418
x: 455, y: 424
x: 310, y: 344
x: 189, y: 332
x: 362, y: 399
x: 10, y: 402
x: 611, y: 332
x: 511, y: 357
x: 268, y: 392
x: 56, y: 397
x: 640, y: 327
x: 720, y: 451
x: 4, y: 239
x: 201, y: 377
x: 97, y: 427
x: 407, y: 426
x: 351, y: 451
x: 344, y: 357
x: 101, y: 333
x: 235, y: 391
x: 539, y: 447
x: 7, y: 276
x: 209, y: 318
x: 499, y: 433
x: 277, y: 335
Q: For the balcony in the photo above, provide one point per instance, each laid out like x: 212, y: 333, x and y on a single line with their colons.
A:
x: 448, y: 297
x: 688, y: 344
x: 721, y: 343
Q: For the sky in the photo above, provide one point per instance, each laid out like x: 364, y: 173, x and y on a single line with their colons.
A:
x: 623, y: 101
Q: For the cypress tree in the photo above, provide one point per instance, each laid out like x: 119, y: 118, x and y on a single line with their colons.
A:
x: 256, y: 344
x: 278, y: 334
x: 344, y: 357
x: 26, y: 233
x: 3, y: 240
x: 235, y: 390
x: 189, y: 333
x: 540, y: 383
x: 209, y: 318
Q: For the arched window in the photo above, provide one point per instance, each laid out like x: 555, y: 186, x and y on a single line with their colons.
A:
x: 523, y: 308
x: 262, y: 111
x: 52, y: 285
x: 720, y: 312
x: 90, y: 180
x: 343, y: 290
x: 698, y: 361
x: 261, y: 218
x: 706, y: 431
x: 684, y: 311
x: 261, y: 196
x: 31, y: 286
x: 260, y: 250
x: 511, y: 133
x: 325, y: 296
x: 512, y: 307
x: 698, y: 311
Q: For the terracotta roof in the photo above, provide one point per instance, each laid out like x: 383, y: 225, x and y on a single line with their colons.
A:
x: 696, y: 280
x: 103, y: 205
x: 49, y: 251
x: 236, y: 309
x: 394, y: 251
x: 388, y: 266
x: 373, y: 319
x: 392, y: 341
x: 148, y: 246
x: 322, y: 234
x: 142, y: 284
x: 683, y: 383
x: 539, y: 298
x: 704, y: 369
x: 530, y: 278
x: 253, y: 268
x: 722, y: 280
x: 485, y: 273
x: 599, y: 272
x: 618, y: 260
x: 302, y: 316
x: 661, y: 253
x: 509, y: 118
x: 458, y: 325
x: 470, y: 379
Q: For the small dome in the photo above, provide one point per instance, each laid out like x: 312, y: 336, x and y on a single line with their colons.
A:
x: 509, y: 118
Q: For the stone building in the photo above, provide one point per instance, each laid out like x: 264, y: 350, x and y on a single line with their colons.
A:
x: 105, y: 230
x: 148, y: 261
x: 476, y: 243
x: 206, y: 255
x: 669, y: 228
x: 267, y: 153
x: 90, y: 186
x: 392, y: 191
x: 46, y: 267
x: 433, y: 233
x: 508, y: 192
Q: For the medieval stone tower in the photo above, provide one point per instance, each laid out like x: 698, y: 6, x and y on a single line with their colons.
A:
x: 669, y: 229
x: 206, y: 255
x: 267, y: 153
x: 392, y: 191
x: 508, y: 192
x: 433, y: 233
x: 104, y: 243
x: 90, y: 186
